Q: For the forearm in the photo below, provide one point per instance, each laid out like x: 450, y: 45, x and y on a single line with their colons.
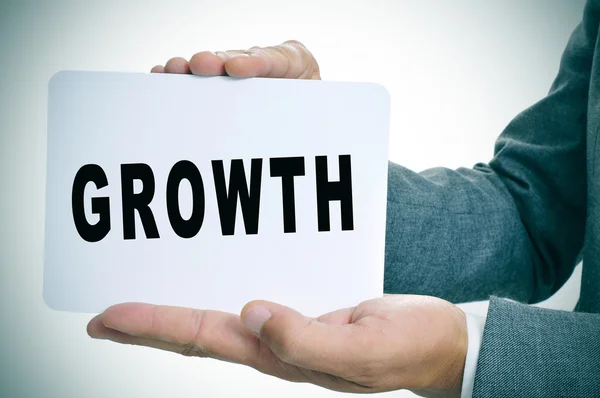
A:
x: 446, y: 228
x: 513, y: 227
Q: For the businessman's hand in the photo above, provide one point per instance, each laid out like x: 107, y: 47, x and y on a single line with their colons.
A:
x: 289, y: 60
x: 394, y: 342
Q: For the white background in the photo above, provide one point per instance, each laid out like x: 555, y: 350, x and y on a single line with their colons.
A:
x: 457, y: 72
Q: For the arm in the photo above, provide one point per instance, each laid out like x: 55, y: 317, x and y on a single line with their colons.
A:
x: 530, y: 352
x: 513, y: 227
x: 534, y: 233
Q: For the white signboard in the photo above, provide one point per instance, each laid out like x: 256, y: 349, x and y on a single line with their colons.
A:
x: 211, y: 192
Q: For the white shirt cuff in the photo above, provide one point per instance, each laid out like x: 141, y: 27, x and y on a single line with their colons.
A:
x: 475, y: 326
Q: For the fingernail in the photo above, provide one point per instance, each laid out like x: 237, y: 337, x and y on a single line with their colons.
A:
x: 240, y: 56
x: 256, y: 317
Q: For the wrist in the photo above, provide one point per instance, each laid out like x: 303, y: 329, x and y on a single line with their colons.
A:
x: 446, y: 369
x: 452, y: 357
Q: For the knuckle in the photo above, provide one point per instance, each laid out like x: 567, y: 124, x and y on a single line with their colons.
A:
x: 191, y: 350
x: 276, y: 51
x: 258, y: 51
x: 295, y: 43
x: 289, y: 50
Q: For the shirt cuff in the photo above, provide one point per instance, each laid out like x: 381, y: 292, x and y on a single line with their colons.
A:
x: 475, y: 326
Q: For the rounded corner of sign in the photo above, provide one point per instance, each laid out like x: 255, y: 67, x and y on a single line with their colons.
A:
x: 383, y: 91
x: 57, y: 77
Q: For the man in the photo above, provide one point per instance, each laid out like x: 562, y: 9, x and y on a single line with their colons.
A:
x: 514, y: 228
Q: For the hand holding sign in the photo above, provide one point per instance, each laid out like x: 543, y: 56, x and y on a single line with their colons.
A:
x: 373, y: 347
x: 290, y: 60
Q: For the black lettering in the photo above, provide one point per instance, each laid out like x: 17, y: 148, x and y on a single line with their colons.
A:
x: 227, y: 201
x: 185, y: 169
x: 139, y: 201
x: 339, y: 190
x: 287, y: 169
x: 101, y: 206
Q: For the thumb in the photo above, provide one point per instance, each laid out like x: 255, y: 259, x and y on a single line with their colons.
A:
x: 300, y: 340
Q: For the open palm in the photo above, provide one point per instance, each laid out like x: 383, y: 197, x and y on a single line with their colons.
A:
x: 390, y: 343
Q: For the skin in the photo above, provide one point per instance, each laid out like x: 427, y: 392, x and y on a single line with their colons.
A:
x: 385, y: 344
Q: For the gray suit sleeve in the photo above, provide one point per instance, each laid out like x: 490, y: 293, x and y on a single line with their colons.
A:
x: 535, y: 352
x: 514, y: 227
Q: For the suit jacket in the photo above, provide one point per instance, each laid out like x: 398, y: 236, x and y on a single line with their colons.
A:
x: 515, y: 228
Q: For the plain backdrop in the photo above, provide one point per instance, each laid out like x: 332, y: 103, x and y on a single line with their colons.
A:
x: 457, y: 71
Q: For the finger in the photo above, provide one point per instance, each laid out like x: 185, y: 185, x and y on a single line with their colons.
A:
x: 216, y: 334
x: 339, y: 317
x: 134, y: 319
x: 97, y: 330
x: 177, y: 65
x: 230, y: 54
x: 302, y: 341
x: 268, y: 364
x: 262, y: 358
x: 288, y: 60
x: 158, y: 69
x: 206, y: 63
